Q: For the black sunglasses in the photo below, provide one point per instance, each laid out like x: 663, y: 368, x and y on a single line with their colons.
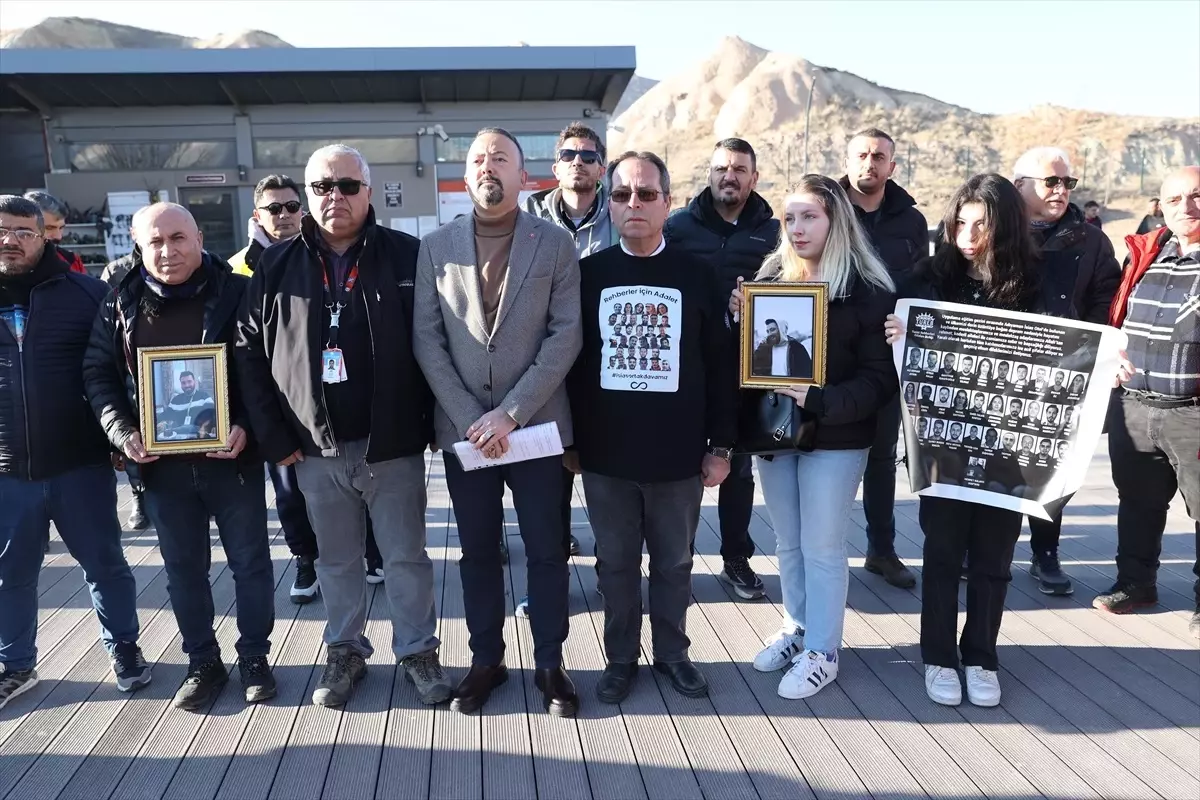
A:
x: 347, y: 186
x: 586, y: 156
x: 625, y: 195
x: 1054, y: 180
x: 275, y: 209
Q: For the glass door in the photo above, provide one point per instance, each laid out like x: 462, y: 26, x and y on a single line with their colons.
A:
x: 214, y: 212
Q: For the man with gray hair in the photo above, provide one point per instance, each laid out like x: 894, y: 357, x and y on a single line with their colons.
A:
x: 54, y: 213
x: 342, y: 292
x: 1081, y: 268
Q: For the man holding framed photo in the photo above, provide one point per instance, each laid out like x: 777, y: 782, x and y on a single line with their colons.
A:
x: 179, y: 304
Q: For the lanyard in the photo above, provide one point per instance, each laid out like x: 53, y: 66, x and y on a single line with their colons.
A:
x: 335, y: 309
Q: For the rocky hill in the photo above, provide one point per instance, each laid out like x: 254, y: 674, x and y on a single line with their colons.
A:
x: 90, y: 34
x: 744, y: 90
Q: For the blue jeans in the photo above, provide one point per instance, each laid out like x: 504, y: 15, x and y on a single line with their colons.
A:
x: 809, y: 497
x: 181, y: 494
x: 83, y: 506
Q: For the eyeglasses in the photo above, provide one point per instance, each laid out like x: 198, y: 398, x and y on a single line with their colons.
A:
x: 23, y: 236
x: 1054, y: 180
x: 347, y: 186
x: 586, y: 156
x: 625, y: 195
x: 292, y: 206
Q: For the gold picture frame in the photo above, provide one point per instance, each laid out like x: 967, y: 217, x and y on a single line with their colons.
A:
x: 791, y: 314
x: 184, y: 398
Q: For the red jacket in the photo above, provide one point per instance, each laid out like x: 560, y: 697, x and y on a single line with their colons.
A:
x: 1143, y: 249
x: 76, y: 262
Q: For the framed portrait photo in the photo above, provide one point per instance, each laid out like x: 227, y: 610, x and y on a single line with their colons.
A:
x: 783, y: 334
x: 184, y: 395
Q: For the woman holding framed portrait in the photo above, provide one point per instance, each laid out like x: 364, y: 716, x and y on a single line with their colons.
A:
x: 824, y: 265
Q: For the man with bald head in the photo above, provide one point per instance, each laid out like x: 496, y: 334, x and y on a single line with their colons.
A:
x: 1082, y: 273
x: 179, y: 295
x: 342, y: 291
x: 497, y: 330
x: 1154, y: 422
x: 54, y: 459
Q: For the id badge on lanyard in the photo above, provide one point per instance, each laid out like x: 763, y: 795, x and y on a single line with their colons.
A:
x: 333, y: 364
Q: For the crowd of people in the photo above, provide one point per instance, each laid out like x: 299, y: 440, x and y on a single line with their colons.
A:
x: 355, y: 349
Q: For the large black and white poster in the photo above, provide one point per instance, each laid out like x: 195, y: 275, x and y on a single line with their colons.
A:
x: 1001, y: 408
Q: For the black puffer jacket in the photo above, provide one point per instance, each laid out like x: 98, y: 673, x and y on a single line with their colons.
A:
x: 734, y: 250
x: 108, y: 372
x: 279, y: 348
x: 898, y: 231
x: 46, y: 426
x: 1079, y: 268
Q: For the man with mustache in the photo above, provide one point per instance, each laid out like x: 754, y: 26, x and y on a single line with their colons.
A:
x: 900, y: 234
x: 54, y: 214
x: 1154, y: 427
x: 731, y: 225
x: 54, y: 459
x: 497, y: 328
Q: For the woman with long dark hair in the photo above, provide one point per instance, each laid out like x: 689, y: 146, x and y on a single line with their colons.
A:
x: 809, y: 494
x: 985, y: 257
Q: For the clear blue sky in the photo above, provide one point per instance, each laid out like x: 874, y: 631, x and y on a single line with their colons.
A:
x: 1120, y: 56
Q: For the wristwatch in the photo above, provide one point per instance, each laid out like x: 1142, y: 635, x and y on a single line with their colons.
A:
x: 725, y: 453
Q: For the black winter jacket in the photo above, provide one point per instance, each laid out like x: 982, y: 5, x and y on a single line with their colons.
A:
x: 280, y: 341
x: 46, y: 426
x: 898, y: 231
x: 1080, y: 272
x: 108, y: 368
x: 734, y: 250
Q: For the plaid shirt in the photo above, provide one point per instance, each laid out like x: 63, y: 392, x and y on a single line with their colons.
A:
x: 1163, y: 323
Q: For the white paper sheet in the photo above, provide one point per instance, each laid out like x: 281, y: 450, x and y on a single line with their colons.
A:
x: 524, y: 444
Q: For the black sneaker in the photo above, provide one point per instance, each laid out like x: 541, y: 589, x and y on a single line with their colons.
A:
x: 305, y: 588
x: 129, y: 666
x: 203, y: 683
x: 15, y: 683
x: 1051, y: 579
x: 258, y: 683
x: 374, y: 571
x: 745, y: 583
x: 137, y: 515
x: 892, y: 569
x: 574, y: 548
x: 1123, y: 598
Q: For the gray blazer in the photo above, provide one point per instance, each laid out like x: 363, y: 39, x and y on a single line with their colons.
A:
x: 521, y: 365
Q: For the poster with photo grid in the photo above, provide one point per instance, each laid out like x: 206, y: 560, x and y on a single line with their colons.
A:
x: 1001, y: 408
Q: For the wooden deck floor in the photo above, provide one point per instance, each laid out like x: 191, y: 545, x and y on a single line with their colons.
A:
x: 1095, y: 706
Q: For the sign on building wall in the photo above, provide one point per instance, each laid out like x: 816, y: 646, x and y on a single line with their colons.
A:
x: 118, y: 241
x: 454, y: 202
x: 206, y: 179
x: 392, y: 198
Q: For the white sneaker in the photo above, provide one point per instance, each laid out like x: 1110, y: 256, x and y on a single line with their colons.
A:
x: 780, y: 649
x: 942, y: 686
x: 810, y: 673
x: 983, y: 687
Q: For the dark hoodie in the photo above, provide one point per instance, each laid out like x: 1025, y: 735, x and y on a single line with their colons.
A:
x: 734, y: 250
x: 897, y: 230
x: 1079, y: 267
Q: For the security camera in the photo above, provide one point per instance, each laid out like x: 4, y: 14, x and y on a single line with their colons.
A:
x: 441, y: 133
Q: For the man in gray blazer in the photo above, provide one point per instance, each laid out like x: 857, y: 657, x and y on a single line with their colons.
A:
x: 496, y: 329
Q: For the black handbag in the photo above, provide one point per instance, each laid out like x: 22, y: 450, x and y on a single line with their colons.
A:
x: 769, y: 423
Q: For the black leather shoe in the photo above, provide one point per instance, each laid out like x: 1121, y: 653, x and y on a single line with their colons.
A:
x: 686, y: 679
x: 477, y: 687
x: 558, y: 692
x: 616, y: 683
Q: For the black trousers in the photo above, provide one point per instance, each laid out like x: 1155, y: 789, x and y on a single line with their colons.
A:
x: 478, y: 501
x: 879, y: 482
x: 735, y: 508
x: 1044, y: 534
x: 1154, y: 452
x: 988, y: 536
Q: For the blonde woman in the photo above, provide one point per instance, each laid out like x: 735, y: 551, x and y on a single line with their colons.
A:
x: 809, y: 493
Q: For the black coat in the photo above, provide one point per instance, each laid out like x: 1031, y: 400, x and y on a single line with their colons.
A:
x: 1080, y: 272
x: 734, y: 250
x: 898, y: 231
x: 109, y: 376
x: 799, y: 362
x: 46, y: 425
x: 280, y: 341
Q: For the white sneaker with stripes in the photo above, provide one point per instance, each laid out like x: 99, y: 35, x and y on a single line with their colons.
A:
x: 810, y: 673
x: 780, y: 649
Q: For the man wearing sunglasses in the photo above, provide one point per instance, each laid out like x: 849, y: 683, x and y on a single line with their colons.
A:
x: 276, y: 218
x: 580, y: 204
x: 1081, y: 269
x: 497, y: 329
x: 356, y: 433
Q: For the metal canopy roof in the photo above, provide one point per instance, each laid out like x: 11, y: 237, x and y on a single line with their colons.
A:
x: 42, y: 80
